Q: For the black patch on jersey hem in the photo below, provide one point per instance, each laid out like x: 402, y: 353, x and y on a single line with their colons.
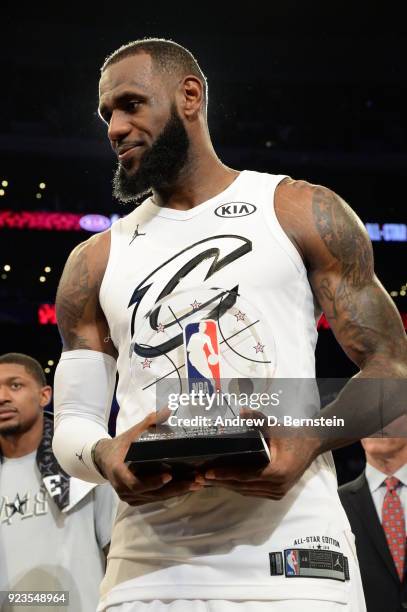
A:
x: 276, y: 564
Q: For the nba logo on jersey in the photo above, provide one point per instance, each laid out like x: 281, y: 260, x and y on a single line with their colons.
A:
x: 202, y: 356
x: 292, y: 566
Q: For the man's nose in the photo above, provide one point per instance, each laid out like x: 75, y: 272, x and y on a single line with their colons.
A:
x: 119, y: 126
x: 4, y: 395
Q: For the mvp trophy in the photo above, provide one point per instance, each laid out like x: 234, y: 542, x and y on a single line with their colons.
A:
x: 204, y: 431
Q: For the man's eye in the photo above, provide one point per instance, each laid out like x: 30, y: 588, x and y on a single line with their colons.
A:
x: 133, y: 105
x: 15, y: 386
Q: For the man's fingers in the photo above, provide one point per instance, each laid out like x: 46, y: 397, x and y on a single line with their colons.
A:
x: 153, y: 418
x: 252, y: 489
x: 151, y: 483
x: 232, y: 474
x: 126, y: 479
x: 173, y: 489
x: 163, y: 414
x: 134, y: 432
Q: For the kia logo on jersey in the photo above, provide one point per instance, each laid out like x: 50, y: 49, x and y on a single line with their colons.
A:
x: 235, y: 209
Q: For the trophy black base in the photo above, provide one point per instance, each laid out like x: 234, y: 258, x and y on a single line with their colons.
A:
x: 190, y: 451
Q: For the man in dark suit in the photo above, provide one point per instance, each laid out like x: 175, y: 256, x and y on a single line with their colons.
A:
x: 376, y: 505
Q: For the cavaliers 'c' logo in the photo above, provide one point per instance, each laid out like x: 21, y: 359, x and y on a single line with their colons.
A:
x: 193, y: 266
x: 200, y: 283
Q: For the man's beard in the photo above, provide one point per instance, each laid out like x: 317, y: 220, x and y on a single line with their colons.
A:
x: 159, y: 166
x: 10, y: 430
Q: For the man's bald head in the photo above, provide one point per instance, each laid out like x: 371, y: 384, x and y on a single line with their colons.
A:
x: 169, y: 58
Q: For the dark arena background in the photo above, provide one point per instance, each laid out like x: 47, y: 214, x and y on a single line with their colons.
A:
x: 314, y: 91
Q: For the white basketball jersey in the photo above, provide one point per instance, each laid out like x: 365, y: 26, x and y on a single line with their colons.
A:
x: 227, y: 260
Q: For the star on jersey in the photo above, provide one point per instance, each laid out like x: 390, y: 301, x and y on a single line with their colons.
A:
x: 160, y: 328
x: 195, y: 305
x: 136, y: 234
x: 240, y: 316
x: 17, y: 505
x: 146, y: 363
x: 259, y: 347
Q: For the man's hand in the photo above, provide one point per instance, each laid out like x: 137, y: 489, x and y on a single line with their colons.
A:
x: 109, y: 458
x: 289, y: 458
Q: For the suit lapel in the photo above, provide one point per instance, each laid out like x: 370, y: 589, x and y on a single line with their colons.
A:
x: 363, y: 504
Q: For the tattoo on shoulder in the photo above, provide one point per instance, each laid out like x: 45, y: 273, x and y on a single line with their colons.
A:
x: 339, y: 229
x: 74, y: 293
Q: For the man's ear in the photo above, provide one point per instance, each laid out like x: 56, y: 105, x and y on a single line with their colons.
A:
x: 45, y: 396
x: 192, y: 93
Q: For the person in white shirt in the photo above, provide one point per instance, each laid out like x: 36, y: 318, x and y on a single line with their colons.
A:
x: 54, y: 530
x: 376, y: 505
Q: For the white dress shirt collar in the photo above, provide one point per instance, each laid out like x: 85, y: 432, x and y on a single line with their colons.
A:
x: 375, y: 477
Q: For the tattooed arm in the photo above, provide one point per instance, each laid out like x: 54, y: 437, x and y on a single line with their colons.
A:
x: 81, y: 321
x: 362, y: 315
x: 338, y: 254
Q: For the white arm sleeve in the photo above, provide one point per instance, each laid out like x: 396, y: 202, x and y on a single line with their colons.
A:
x: 83, y: 391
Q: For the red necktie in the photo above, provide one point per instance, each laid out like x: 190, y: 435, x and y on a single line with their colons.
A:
x: 394, y: 524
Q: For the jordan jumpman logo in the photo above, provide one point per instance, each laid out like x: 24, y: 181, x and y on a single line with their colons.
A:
x: 136, y: 234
